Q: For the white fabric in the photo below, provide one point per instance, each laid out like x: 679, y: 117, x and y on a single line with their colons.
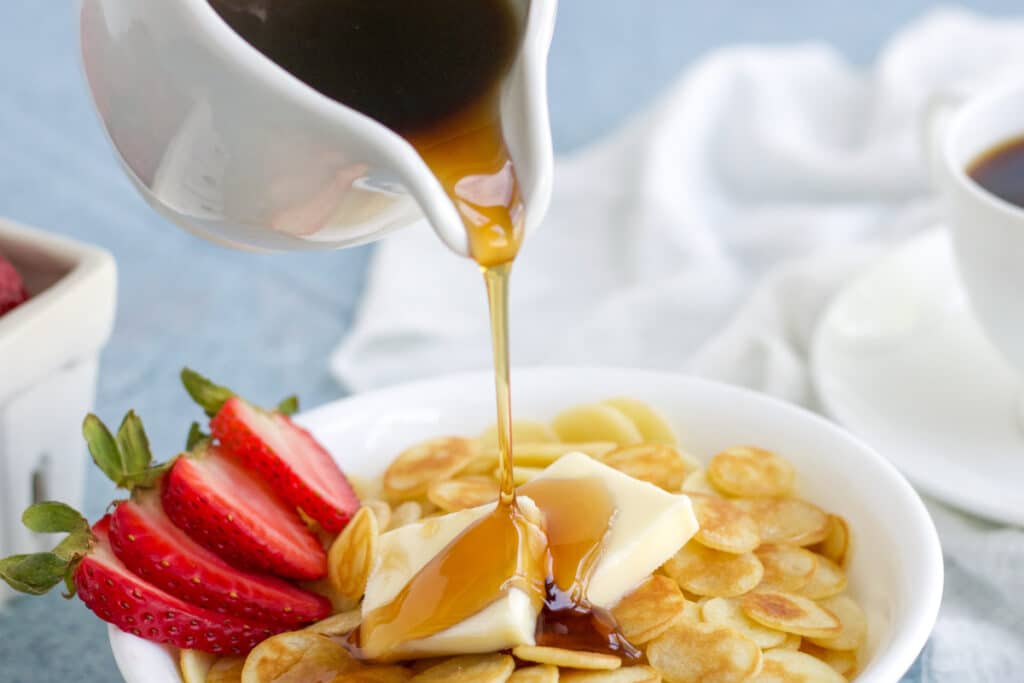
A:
x: 706, y: 236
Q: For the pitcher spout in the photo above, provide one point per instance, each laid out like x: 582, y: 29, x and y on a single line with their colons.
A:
x: 525, y: 127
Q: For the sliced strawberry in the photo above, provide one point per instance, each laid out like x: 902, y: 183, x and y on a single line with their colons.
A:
x: 227, y: 510
x: 285, y: 455
x: 288, y: 458
x: 212, y: 499
x: 12, y: 289
x: 127, y: 601
x: 146, y: 541
x: 86, y: 563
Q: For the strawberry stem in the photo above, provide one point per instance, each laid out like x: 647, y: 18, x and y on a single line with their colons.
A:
x: 126, y: 460
x: 50, y: 517
x: 133, y: 443
x: 37, y: 573
x: 288, y: 406
x: 211, y: 397
x: 208, y: 395
x: 103, y: 448
x: 34, y: 574
x: 196, y: 435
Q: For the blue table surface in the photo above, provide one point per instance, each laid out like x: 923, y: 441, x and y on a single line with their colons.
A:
x: 265, y: 324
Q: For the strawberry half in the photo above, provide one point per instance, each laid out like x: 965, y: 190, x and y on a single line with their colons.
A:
x: 85, y: 561
x: 289, y: 458
x: 283, y: 454
x: 230, y: 512
x: 145, y: 540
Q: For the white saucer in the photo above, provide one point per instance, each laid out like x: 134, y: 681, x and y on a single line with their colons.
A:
x: 900, y: 361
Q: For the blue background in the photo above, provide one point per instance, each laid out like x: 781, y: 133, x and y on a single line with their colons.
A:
x: 265, y: 325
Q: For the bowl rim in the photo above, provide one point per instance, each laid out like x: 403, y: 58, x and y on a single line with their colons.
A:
x: 923, y: 606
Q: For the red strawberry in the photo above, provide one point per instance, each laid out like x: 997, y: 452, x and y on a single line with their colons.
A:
x: 12, y: 289
x: 227, y: 510
x: 146, y: 541
x: 285, y: 455
x: 290, y: 459
x: 84, y: 560
x: 212, y: 498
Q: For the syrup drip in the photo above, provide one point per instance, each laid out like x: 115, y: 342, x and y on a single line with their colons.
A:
x: 572, y: 624
x: 579, y: 514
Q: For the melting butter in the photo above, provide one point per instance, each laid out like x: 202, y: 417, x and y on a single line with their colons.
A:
x: 594, y: 532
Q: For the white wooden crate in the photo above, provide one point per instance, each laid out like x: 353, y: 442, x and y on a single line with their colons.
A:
x: 49, y: 355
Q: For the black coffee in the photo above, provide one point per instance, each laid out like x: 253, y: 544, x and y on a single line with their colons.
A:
x: 410, y: 64
x: 1001, y: 171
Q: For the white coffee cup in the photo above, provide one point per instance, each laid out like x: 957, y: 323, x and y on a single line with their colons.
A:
x: 988, y: 232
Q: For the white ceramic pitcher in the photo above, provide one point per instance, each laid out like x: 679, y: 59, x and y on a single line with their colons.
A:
x: 229, y: 145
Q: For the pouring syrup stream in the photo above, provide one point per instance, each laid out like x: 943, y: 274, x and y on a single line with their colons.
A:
x: 504, y: 550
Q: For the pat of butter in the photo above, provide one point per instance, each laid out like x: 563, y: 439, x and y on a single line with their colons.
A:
x: 649, y: 527
x: 507, y: 622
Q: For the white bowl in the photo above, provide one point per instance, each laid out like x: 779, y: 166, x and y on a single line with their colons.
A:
x: 49, y: 354
x: 896, y: 566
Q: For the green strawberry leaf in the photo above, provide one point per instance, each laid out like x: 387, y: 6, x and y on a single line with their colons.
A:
x: 75, y: 545
x: 126, y: 460
x: 211, y: 397
x: 33, y: 574
x: 148, y: 477
x: 37, y: 573
x: 208, y: 395
x: 9, y: 572
x: 133, y: 444
x: 103, y: 448
x: 288, y: 406
x: 51, y: 517
x: 195, y: 435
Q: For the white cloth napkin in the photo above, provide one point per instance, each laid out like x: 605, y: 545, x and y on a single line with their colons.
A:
x: 706, y: 236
